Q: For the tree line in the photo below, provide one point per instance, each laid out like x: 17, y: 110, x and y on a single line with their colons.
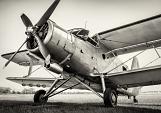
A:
x: 6, y: 90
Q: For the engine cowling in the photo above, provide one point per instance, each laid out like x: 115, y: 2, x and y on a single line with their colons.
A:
x: 58, y: 41
x: 44, y: 33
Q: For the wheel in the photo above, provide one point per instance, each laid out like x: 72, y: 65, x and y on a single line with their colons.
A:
x: 39, y: 97
x: 110, y: 97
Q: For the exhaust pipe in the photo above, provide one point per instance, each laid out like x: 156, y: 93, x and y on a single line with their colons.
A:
x: 55, y: 68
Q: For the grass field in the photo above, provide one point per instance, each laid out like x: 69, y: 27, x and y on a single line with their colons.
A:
x: 78, y: 103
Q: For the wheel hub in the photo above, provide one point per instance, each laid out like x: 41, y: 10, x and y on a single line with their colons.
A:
x: 42, y: 98
x: 113, y: 98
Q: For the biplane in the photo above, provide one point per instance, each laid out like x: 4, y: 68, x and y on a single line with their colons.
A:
x: 84, y: 61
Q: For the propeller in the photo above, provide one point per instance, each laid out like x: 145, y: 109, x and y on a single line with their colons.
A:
x: 48, y: 13
x: 32, y: 30
x: 44, y: 51
x: 26, y: 21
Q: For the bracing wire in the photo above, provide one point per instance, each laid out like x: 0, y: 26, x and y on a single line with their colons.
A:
x: 50, y: 73
x: 35, y: 70
x: 154, y: 59
x: 124, y: 62
x: 151, y: 62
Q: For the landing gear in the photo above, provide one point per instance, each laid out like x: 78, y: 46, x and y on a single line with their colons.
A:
x: 110, y: 97
x: 42, y: 96
x: 39, y: 97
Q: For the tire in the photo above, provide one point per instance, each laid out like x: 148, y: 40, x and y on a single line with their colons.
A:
x: 110, y: 97
x: 38, y: 97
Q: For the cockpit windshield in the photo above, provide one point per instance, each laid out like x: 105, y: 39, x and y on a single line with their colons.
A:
x: 80, y: 32
x: 83, y: 34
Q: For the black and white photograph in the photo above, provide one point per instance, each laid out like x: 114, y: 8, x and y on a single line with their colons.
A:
x: 80, y: 56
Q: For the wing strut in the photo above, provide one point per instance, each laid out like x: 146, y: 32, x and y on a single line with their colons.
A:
x: 155, y: 58
x: 30, y: 68
x: 88, y: 87
x: 103, y: 82
x: 156, y: 51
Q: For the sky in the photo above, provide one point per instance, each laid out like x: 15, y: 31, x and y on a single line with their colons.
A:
x: 99, y: 15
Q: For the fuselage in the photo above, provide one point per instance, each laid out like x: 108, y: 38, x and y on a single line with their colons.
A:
x: 85, y: 55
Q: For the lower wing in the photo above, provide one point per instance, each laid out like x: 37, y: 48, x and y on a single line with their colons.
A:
x: 25, y: 58
x: 137, y: 77
x: 47, y: 82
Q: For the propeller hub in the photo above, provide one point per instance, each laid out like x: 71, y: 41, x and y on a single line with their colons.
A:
x: 29, y: 30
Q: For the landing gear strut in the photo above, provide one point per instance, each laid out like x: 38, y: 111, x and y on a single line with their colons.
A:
x: 110, y: 97
x: 42, y: 96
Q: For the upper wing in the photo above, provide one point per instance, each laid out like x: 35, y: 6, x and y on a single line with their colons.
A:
x: 133, y: 37
x: 136, y: 77
x: 24, y: 58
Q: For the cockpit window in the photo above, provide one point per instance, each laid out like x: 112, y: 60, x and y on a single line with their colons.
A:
x: 80, y: 32
x: 83, y: 34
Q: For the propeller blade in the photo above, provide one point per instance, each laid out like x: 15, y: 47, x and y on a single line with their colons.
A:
x: 6, y: 64
x: 44, y: 51
x: 26, y: 20
x: 48, y: 13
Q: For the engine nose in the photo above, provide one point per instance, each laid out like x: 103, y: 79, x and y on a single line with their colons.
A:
x: 59, y: 42
x: 44, y: 33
